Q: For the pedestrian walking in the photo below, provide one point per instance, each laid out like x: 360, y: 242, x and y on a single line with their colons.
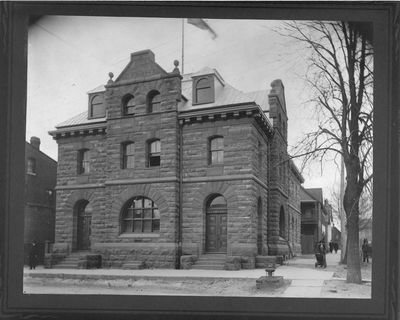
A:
x: 335, y: 247
x: 364, y: 248
x: 330, y: 246
x: 33, y: 256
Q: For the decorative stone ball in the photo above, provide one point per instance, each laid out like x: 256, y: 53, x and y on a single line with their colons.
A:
x: 111, y: 75
x: 176, y: 63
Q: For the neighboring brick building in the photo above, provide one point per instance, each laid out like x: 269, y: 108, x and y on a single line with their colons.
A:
x: 163, y: 165
x: 315, y: 219
x: 40, y: 183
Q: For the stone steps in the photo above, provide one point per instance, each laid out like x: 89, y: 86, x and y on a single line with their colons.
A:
x: 71, y: 261
x: 133, y: 265
x: 210, y: 262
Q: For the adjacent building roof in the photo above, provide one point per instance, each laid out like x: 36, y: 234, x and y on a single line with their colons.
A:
x: 311, y: 195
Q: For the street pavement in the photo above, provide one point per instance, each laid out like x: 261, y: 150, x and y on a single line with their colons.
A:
x: 306, y: 280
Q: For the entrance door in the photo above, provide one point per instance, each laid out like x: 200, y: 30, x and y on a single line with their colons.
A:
x: 84, y: 226
x: 216, y: 225
x: 216, y: 232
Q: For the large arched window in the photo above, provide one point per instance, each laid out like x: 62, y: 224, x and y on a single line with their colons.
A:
x: 154, y: 153
x: 128, y: 155
x: 128, y: 104
x: 282, y: 223
x: 97, y: 107
x: 153, y: 101
x: 140, y: 215
x: 216, y: 150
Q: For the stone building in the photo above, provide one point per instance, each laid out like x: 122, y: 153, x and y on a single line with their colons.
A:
x: 163, y: 169
x: 316, y: 216
x: 40, y: 183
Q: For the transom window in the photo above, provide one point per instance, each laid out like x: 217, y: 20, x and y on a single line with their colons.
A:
x: 97, y: 107
x: 216, y: 155
x: 31, y: 166
x: 203, y: 90
x: 128, y: 155
x: 128, y: 103
x: 154, y: 153
x: 140, y: 215
x: 153, y: 101
x: 83, y: 161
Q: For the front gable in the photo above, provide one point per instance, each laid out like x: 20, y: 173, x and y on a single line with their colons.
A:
x: 142, y: 66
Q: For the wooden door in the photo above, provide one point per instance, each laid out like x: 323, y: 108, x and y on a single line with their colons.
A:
x: 84, y: 230
x: 216, y: 232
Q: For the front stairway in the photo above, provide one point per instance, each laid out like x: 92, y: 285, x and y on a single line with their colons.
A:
x: 72, y: 261
x: 210, y: 261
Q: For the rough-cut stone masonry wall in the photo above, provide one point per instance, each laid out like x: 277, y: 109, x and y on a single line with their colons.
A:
x: 201, y: 180
x: 68, y: 148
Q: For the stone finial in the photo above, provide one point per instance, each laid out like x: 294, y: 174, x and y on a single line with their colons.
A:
x: 111, y: 75
x: 176, y: 64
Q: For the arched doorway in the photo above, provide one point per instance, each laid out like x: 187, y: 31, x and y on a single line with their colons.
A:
x: 216, y: 224
x: 83, y: 214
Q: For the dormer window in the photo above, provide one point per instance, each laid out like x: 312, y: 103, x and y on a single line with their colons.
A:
x: 153, y: 101
x: 97, y: 107
x: 128, y: 104
x: 203, y: 90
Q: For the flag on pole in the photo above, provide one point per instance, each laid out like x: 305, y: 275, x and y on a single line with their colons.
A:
x: 200, y: 23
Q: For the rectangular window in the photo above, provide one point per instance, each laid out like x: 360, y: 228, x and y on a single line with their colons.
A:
x: 31, y: 166
x: 128, y: 156
x: 217, y: 150
x: 83, y: 162
x: 154, y: 153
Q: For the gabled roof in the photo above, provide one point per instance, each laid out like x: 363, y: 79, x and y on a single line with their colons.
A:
x: 311, y: 195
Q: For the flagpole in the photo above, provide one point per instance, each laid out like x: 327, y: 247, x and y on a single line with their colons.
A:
x: 183, y: 44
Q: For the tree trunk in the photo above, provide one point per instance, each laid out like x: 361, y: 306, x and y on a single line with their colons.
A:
x: 350, y: 202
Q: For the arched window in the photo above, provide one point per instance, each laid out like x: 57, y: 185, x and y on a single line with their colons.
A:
x: 216, y: 150
x: 203, y: 91
x: 153, y: 101
x: 282, y: 223
x: 128, y: 104
x: 154, y: 153
x: 128, y: 155
x: 83, y: 161
x: 140, y: 215
x: 97, y: 107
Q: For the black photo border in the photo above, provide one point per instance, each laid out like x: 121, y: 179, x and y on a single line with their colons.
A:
x: 14, y: 22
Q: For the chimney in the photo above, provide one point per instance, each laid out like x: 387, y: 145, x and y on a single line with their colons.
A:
x: 35, y: 142
x: 143, y: 56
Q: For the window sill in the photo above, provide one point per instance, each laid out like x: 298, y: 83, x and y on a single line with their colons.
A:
x: 31, y: 173
x: 139, y: 235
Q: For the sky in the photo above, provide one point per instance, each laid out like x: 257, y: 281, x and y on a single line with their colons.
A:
x: 69, y: 55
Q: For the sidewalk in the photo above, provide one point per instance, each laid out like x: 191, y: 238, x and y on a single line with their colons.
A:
x: 305, y: 280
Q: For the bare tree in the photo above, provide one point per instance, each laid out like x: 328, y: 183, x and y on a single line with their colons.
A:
x: 340, y: 76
